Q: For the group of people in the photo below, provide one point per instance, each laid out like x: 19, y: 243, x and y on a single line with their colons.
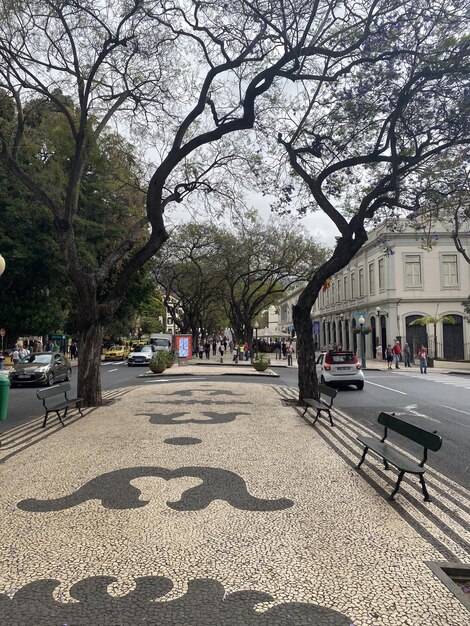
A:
x: 394, y: 354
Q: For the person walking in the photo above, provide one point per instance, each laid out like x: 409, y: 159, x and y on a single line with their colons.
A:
x: 235, y: 353
x: 15, y: 356
x: 241, y: 351
x: 396, y: 353
x: 207, y: 349
x: 407, y: 355
x: 423, y: 360
x: 200, y: 349
x: 221, y: 352
x: 74, y: 350
x: 214, y: 347
x: 378, y: 353
x: 389, y: 357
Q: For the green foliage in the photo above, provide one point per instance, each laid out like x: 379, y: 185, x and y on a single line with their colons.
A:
x: 262, y: 359
x: 160, y: 357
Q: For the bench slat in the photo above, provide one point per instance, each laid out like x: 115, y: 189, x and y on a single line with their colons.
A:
x: 425, y: 438
x: 392, y: 455
x: 53, y: 391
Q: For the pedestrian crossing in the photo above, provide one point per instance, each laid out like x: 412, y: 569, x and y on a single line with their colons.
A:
x: 450, y: 380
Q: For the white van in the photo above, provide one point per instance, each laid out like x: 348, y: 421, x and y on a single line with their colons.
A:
x: 161, y: 341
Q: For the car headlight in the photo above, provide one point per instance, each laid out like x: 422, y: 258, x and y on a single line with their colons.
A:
x: 42, y: 369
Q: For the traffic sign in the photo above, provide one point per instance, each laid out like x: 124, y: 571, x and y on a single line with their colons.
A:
x: 2, y: 332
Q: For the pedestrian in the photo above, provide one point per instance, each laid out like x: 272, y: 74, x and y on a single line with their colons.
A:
x: 284, y: 350
x: 277, y: 348
x: 200, y: 349
x: 23, y: 352
x: 378, y: 352
x: 246, y: 351
x: 389, y: 357
x: 241, y: 351
x: 235, y: 353
x: 423, y: 360
x: 74, y: 350
x: 207, y: 349
x: 221, y: 352
x: 214, y: 347
x: 407, y: 355
x: 396, y: 353
x: 15, y: 356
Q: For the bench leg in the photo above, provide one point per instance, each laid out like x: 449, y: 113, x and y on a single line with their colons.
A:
x: 366, y: 450
x: 331, y: 419
x: 316, y: 417
x: 60, y: 419
x: 397, y: 486
x: 386, y: 464
x: 427, y: 498
x: 306, y: 408
x: 45, y: 420
x: 79, y: 409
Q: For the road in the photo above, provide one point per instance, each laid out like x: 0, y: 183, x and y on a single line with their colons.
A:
x: 435, y: 401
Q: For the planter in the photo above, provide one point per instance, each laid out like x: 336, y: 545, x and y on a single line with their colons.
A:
x: 260, y: 367
x: 157, y: 368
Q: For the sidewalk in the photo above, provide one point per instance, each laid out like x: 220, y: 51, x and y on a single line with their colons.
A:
x: 209, y: 504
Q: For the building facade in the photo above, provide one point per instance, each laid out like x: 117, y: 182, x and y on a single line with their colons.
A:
x: 391, y: 282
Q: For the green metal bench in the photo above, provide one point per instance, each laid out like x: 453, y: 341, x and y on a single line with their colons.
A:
x: 429, y: 440
x: 320, y: 404
x: 55, y: 400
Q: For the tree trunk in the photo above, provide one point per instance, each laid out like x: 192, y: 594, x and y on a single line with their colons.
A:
x: 308, y: 383
x: 89, y: 368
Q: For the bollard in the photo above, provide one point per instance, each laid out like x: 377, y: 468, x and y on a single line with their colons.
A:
x: 4, y: 391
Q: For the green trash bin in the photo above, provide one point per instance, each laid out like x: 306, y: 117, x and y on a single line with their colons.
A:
x: 4, y: 391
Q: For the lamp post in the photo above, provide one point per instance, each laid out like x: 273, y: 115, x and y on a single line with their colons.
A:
x: 256, y: 326
x: 361, y: 321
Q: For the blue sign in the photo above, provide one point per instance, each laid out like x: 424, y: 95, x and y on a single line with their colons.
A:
x: 316, y: 327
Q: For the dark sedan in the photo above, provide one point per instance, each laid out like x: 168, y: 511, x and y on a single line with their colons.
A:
x: 44, y: 368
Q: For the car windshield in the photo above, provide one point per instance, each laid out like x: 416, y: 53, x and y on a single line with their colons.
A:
x: 163, y: 343
x: 143, y: 349
x: 40, y: 359
x: 115, y: 348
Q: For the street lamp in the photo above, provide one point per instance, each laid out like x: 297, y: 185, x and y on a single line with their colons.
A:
x: 361, y: 321
x: 256, y: 326
x: 2, y: 265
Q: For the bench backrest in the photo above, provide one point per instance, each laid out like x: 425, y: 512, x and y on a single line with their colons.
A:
x: 324, y: 390
x: 426, y: 438
x: 53, y: 391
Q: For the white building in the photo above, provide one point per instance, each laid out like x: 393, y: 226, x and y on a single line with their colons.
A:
x: 391, y: 282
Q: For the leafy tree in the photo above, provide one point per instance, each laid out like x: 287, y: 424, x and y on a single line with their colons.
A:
x: 353, y: 144
x: 434, y: 320
x: 192, y: 72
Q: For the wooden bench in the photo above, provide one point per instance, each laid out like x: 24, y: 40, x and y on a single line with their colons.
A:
x: 320, y: 404
x: 429, y: 440
x: 55, y: 400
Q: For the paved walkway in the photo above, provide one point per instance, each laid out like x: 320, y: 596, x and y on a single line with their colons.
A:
x: 193, y: 503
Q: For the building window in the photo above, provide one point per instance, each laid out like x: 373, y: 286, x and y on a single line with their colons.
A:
x: 371, y: 278
x: 169, y: 321
x: 361, y: 282
x: 449, y: 270
x: 413, y: 271
x: 332, y: 293
x: 345, y: 284
x: 353, y: 285
x: 381, y: 274
x: 338, y: 290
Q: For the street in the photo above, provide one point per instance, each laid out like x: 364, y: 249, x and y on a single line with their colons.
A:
x: 434, y: 401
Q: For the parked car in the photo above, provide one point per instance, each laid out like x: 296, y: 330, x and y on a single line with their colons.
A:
x: 140, y: 355
x: 41, y: 367
x: 116, y: 353
x: 340, y: 368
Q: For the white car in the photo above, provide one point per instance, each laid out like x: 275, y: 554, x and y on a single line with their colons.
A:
x: 140, y: 355
x: 340, y: 368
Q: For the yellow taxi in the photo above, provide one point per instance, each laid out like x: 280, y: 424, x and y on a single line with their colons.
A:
x: 116, y: 353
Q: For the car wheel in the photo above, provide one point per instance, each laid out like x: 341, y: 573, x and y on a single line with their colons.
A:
x: 360, y: 386
x: 50, y: 380
x: 69, y: 374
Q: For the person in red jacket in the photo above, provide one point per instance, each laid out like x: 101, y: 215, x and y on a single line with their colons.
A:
x: 397, y: 353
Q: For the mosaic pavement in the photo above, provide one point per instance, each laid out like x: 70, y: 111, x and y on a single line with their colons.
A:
x: 182, y: 505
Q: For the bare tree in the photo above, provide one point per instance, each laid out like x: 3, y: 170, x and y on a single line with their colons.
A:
x: 192, y: 71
